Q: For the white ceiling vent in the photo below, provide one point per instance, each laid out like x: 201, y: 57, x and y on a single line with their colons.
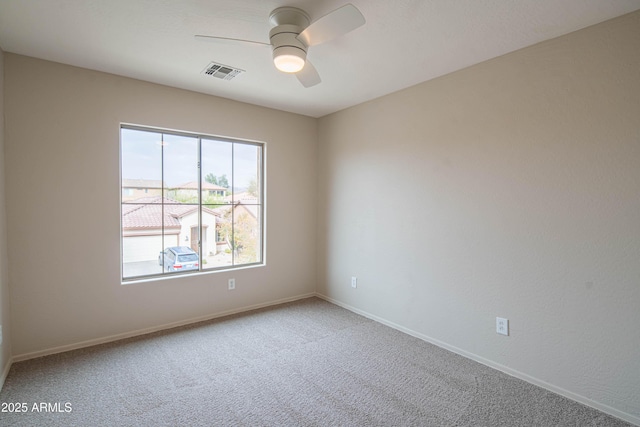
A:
x: 221, y: 71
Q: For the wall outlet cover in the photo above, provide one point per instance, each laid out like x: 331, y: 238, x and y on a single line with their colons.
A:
x: 502, y: 326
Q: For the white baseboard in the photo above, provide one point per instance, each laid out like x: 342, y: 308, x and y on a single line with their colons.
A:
x: 111, y: 338
x: 514, y: 373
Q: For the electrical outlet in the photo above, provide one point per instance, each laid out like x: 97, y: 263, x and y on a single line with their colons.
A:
x: 232, y: 284
x: 354, y: 282
x: 502, y: 326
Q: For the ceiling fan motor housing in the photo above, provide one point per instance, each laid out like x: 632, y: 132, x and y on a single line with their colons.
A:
x: 289, y: 53
x: 285, y: 36
x: 284, y: 41
x: 289, y: 15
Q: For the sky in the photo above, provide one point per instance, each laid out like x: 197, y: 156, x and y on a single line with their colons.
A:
x: 145, y: 154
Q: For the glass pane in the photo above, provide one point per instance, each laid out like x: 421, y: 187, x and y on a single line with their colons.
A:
x: 247, y: 161
x: 216, y: 236
x: 181, y: 235
x: 180, y: 164
x: 141, y: 240
x: 246, y: 234
x: 141, y: 165
x: 188, y: 257
x: 216, y: 171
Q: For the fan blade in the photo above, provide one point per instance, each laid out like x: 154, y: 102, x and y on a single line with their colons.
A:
x: 227, y: 39
x: 334, y: 24
x: 308, y: 76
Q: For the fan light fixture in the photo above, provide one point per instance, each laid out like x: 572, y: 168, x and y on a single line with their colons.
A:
x: 293, y: 32
x: 289, y: 59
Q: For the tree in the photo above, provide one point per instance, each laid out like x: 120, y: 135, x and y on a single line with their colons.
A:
x: 213, y: 199
x: 253, y: 188
x: 211, y: 178
x: 217, y: 180
x: 239, y: 229
x: 222, y: 181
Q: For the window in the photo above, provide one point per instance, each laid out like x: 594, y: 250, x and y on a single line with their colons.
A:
x: 183, y: 226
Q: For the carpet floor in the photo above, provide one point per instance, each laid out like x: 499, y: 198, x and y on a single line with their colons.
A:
x: 305, y: 363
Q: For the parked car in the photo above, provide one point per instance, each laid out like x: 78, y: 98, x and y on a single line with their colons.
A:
x: 179, y: 258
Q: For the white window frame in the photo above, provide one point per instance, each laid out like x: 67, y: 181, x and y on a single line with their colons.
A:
x: 261, y: 204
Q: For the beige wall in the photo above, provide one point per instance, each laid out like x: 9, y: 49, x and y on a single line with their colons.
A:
x: 5, y: 319
x: 511, y: 189
x: 62, y: 164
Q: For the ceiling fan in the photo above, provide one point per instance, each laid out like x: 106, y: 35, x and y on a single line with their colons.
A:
x: 293, y: 33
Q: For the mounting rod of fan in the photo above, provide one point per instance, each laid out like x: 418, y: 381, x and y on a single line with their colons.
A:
x: 293, y: 33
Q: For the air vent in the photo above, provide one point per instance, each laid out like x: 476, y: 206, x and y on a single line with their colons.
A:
x: 221, y: 71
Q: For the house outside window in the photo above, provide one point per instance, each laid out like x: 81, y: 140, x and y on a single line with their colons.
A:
x: 186, y: 194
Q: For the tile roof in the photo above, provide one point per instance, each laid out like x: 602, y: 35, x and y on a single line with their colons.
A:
x: 142, y: 183
x: 244, y: 197
x: 252, y: 209
x: 193, y: 185
x: 154, y: 212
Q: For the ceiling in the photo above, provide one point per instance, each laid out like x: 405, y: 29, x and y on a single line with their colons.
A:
x: 404, y: 42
